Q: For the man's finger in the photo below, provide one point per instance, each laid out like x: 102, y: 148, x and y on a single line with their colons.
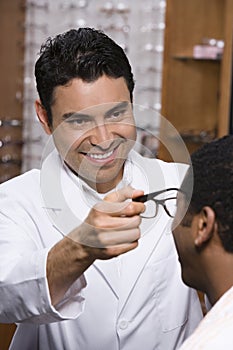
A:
x: 120, y: 208
x: 123, y: 194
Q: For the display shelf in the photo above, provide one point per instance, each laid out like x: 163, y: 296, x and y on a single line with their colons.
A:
x: 196, y: 92
x: 192, y: 58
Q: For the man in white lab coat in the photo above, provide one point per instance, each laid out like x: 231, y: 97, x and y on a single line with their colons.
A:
x: 80, y: 268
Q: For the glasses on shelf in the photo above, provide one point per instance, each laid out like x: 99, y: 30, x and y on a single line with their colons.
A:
x: 115, y: 27
x: 109, y: 8
x: 8, y: 140
x: 152, y: 27
x: 169, y: 203
x: 153, y: 48
x: 11, y: 122
x: 42, y: 5
x: 10, y: 159
x: 81, y: 4
x: 160, y: 7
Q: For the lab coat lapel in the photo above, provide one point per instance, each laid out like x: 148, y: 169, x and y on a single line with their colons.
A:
x: 134, y: 262
x: 108, y: 270
x: 61, y: 207
x: 132, y: 265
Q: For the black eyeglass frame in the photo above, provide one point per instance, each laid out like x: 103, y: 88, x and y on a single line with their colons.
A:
x: 150, y: 196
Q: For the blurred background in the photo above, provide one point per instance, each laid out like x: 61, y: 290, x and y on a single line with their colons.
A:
x: 137, y: 26
x: 180, y: 51
x: 181, y: 54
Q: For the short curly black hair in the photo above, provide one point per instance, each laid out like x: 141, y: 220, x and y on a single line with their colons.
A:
x: 212, y: 171
x: 84, y: 53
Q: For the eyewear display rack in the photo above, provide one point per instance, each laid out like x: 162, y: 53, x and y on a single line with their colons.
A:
x: 11, y: 86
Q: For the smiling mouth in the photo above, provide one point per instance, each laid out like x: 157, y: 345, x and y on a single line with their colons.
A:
x: 100, y: 156
x: 99, y: 153
x: 108, y: 156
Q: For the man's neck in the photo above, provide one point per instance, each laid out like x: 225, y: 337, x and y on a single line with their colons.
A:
x: 221, y: 277
x: 105, y: 187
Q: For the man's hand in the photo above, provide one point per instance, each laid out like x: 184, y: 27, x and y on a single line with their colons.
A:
x: 110, y: 229
x: 112, y: 226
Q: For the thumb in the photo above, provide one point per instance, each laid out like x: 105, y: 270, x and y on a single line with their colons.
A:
x: 123, y: 194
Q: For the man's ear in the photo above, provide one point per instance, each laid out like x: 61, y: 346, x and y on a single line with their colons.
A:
x: 205, y: 226
x: 43, y: 117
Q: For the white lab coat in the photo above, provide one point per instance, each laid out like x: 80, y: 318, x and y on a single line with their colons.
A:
x: 136, y: 301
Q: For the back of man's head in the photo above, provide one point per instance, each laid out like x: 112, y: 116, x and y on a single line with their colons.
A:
x: 212, y: 170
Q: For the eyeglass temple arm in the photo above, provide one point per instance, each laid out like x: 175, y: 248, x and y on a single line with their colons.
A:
x: 146, y: 197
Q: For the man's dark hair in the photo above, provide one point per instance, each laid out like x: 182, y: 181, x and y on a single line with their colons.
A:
x: 84, y: 53
x: 212, y: 171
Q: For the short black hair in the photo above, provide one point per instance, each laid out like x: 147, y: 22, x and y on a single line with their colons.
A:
x: 84, y: 53
x: 212, y: 171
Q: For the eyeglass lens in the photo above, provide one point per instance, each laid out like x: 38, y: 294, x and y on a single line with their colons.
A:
x: 169, y: 204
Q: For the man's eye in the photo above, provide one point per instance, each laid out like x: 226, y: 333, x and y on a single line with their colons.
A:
x: 78, y: 121
x: 117, y: 114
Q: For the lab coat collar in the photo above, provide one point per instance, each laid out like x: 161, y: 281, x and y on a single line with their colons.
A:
x: 55, y: 176
x: 92, y: 195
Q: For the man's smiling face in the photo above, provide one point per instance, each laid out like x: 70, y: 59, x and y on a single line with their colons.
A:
x: 93, y: 129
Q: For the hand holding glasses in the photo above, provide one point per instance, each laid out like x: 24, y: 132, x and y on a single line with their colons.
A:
x: 169, y: 203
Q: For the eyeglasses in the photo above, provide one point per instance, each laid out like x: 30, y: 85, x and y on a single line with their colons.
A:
x: 169, y: 203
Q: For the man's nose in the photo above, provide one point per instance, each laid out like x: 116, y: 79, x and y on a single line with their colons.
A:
x: 101, y: 135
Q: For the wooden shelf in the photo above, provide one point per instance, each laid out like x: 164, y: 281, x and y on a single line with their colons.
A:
x: 12, y: 15
x: 196, y: 92
x: 191, y: 58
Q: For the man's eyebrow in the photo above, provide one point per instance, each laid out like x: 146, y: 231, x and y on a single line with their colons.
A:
x: 123, y: 104
x: 75, y: 114
x: 120, y: 105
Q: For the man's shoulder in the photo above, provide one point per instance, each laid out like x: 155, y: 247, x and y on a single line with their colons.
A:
x: 21, y: 185
x: 170, y: 170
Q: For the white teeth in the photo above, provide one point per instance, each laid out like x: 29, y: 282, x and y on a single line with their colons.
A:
x: 100, y: 156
